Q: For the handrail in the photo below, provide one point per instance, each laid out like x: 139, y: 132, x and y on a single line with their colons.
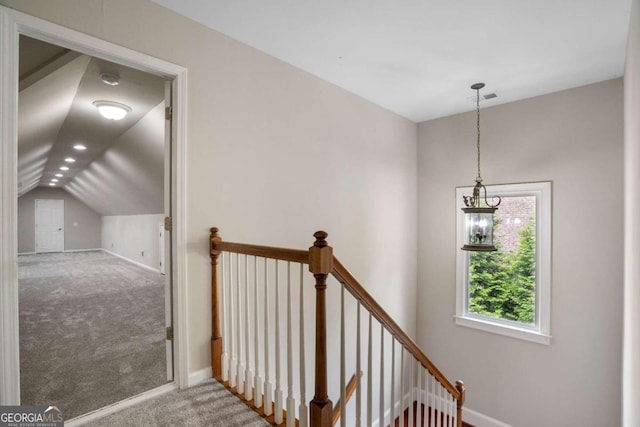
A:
x: 357, y: 290
x: 283, y: 254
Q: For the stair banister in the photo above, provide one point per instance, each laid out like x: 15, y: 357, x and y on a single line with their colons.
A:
x: 320, y: 265
x: 216, y: 338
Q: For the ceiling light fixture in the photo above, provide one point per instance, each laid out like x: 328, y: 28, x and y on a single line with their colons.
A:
x: 110, y: 79
x: 79, y: 147
x: 70, y: 160
x: 59, y: 175
x: 478, y: 214
x: 112, y: 110
x: 54, y: 180
x: 52, y: 184
x: 64, y: 168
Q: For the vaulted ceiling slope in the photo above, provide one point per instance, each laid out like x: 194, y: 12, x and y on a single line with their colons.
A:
x: 121, y: 170
x: 418, y: 58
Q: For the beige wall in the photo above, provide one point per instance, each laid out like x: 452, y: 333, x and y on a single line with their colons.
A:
x: 135, y: 237
x: 273, y: 155
x: 81, y: 223
x: 575, y: 139
x: 631, y: 372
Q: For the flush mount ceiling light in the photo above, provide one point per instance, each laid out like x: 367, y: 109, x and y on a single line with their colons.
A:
x: 478, y: 213
x: 54, y: 180
x: 52, y: 184
x: 64, y: 168
x: 70, y: 160
x: 112, y: 110
x: 110, y: 79
x: 59, y: 175
x: 79, y: 147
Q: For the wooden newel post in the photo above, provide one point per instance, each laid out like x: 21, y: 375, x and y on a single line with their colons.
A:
x: 462, y: 390
x: 216, y: 338
x: 321, y: 264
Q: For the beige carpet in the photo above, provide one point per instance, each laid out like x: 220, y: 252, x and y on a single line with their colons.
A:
x: 206, y: 404
x: 91, y: 330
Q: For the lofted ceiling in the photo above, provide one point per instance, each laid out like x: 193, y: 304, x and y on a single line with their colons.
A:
x: 57, y: 88
x: 418, y: 58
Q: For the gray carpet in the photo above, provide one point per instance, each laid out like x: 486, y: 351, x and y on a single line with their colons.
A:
x: 206, y: 404
x: 91, y: 330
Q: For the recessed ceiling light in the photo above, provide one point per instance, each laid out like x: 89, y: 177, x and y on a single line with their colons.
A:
x: 64, y: 168
x: 112, y: 110
x: 59, y: 175
x: 110, y: 79
x: 79, y: 147
x: 70, y: 160
x: 52, y: 184
x: 54, y: 179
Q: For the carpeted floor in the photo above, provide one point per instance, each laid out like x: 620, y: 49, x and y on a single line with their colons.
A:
x: 206, y: 404
x: 91, y: 330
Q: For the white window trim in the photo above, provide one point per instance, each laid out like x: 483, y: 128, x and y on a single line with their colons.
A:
x: 541, y: 331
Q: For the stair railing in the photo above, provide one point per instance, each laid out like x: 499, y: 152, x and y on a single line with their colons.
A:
x: 247, y: 298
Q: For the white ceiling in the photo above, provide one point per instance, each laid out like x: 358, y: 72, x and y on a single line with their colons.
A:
x: 418, y: 58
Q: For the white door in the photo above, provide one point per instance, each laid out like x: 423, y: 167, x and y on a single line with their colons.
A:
x: 49, y: 225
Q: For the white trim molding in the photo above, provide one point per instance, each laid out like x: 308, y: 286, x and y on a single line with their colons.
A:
x: 478, y: 419
x: 139, y: 264
x: 13, y: 24
x: 199, y: 376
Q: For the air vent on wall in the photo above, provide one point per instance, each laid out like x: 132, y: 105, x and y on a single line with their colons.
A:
x: 490, y: 96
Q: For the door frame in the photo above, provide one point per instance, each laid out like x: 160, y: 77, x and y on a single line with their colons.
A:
x: 13, y: 24
x: 35, y: 219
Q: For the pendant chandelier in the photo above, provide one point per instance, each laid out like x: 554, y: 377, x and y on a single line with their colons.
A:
x: 478, y: 213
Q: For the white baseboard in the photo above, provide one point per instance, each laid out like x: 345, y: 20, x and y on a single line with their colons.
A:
x: 82, y: 250
x: 477, y: 419
x: 470, y: 416
x: 139, y: 264
x: 26, y: 253
x: 199, y: 376
x: 119, y: 406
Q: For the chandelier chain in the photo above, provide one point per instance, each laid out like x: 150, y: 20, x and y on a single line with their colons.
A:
x: 479, y: 178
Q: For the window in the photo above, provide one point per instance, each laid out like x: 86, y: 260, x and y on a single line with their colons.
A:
x: 508, y: 291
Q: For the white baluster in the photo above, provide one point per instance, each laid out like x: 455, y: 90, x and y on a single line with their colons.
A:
x: 291, y: 402
x: 240, y: 388
x: 303, y: 417
x: 411, y: 378
x: 402, y: 385
x: 277, y: 416
x: 419, y: 397
x: 358, y: 369
x: 223, y: 320
x: 248, y: 375
x: 438, y: 405
x: 257, y: 379
x: 381, y: 403
x: 432, y: 400
x: 369, y: 378
x: 268, y: 388
x: 233, y: 369
x: 392, y: 416
x: 451, y: 411
x: 343, y: 393
x: 454, y: 412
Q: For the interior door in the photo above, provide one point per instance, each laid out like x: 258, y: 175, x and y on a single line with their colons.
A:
x: 49, y: 225
x: 166, y: 267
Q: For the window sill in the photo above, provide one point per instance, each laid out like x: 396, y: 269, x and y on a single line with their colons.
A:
x: 507, y: 330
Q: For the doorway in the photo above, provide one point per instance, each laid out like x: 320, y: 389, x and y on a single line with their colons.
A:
x: 104, y: 307
x: 12, y: 25
x: 49, y: 225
